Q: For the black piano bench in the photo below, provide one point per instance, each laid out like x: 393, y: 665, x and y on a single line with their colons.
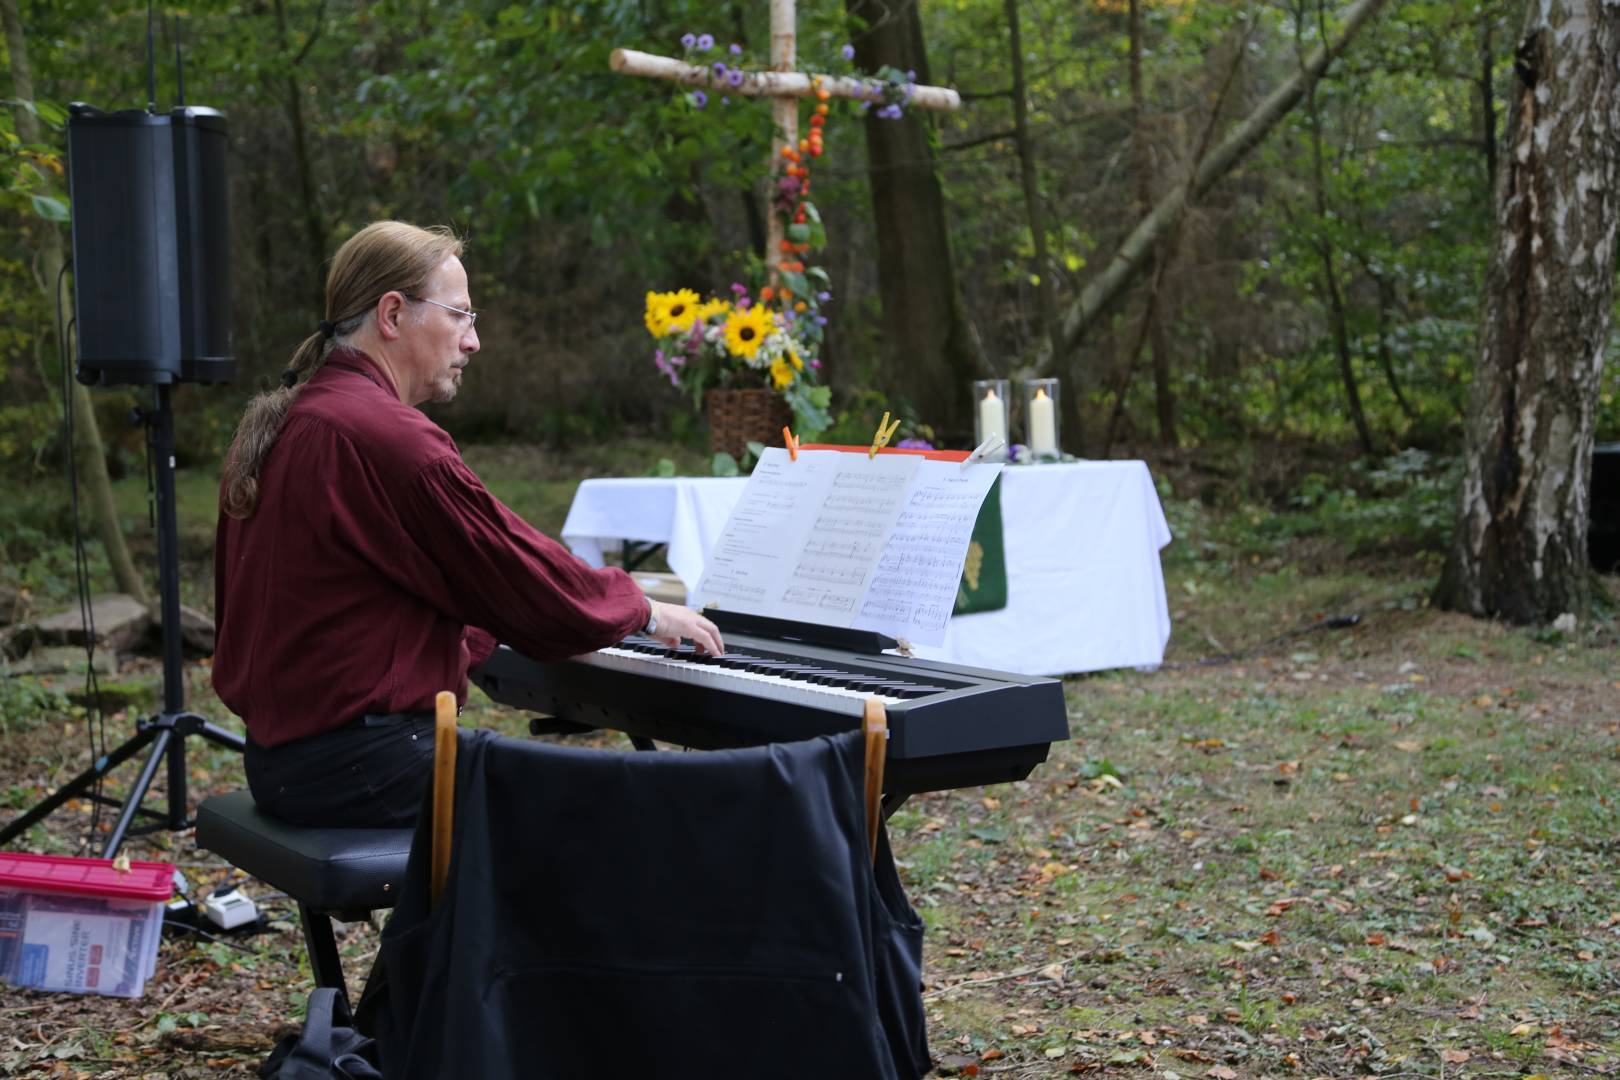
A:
x: 345, y: 873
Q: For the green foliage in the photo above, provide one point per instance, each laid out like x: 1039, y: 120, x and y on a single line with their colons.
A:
x: 26, y: 700
x: 1406, y: 501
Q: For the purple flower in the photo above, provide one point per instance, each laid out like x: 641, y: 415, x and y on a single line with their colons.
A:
x: 914, y: 444
x: 821, y: 320
x: 889, y: 112
x: 815, y: 365
x: 705, y: 42
x: 736, y: 50
x: 719, y: 68
x: 688, y: 40
x: 725, y: 101
x: 849, y: 52
x: 735, y: 78
x: 739, y: 289
x: 742, y: 303
x: 823, y: 297
x: 911, y: 76
x: 665, y: 367
x: 1016, y: 451
x: 698, y: 98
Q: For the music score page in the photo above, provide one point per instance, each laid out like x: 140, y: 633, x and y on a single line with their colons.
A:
x: 841, y: 539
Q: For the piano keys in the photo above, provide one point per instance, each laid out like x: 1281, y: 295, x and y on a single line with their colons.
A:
x: 950, y: 726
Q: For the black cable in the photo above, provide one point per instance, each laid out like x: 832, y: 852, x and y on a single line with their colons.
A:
x: 95, y: 721
x: 200, y: 932
x: 1332, y: 622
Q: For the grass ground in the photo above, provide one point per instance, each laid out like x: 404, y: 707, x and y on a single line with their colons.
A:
x: 1385, y: 850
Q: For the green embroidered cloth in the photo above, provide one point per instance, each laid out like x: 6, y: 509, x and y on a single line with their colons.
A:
x: 984, y: 573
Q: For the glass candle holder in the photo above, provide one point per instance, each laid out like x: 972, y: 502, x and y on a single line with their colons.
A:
x: 1040, y: 401
x: 990, y: 415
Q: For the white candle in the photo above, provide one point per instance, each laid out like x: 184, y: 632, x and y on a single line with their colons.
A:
x: 992, y: 417
x: 1042, y: 425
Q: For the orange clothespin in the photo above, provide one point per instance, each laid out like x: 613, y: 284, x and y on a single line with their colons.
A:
x: 885, y: 432
x: 791, y: 443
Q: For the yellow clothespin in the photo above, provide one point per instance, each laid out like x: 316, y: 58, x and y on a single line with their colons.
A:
x: 885, y: 432
x: 791, y: 443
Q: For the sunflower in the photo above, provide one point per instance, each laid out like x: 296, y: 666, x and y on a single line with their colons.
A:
x: 793, y: 358
x: 746, y: 330
x: 781, y: 373
x: 657, y: 316
x: 680, y: 310
x: 710, y: 308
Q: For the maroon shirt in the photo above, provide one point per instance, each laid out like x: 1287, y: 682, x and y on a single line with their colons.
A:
x: 354, y: 586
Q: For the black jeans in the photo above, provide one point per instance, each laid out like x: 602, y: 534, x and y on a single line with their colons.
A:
x: 369, y: 774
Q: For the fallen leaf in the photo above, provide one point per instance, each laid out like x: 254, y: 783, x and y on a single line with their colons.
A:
x: 1455, y: 1057
x: 1053, y: 972
x: 1522, y: 1030
x: 1222, y: 1072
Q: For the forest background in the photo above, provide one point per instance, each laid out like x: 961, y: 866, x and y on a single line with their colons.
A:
x: 1335, y: 274
x: 1388, y: 849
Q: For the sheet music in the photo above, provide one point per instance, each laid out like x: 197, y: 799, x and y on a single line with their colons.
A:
x: 914, y: 587
x: 841, y: 539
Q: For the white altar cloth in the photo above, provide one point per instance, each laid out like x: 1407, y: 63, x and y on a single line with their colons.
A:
x: 1085, y: 590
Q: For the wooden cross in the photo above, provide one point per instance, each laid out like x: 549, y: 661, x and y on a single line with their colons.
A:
x: 784, y: 86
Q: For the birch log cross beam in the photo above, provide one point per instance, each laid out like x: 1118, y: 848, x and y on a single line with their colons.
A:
x: 784, y: 86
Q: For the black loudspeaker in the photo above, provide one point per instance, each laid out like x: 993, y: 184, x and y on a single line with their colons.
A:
x: 1603, y: 533
x: 151, y: 245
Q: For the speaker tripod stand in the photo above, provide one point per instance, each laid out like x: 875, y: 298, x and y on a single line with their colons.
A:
x: 163, y: 737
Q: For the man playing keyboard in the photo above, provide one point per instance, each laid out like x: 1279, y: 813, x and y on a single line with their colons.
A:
x: 360, y: 565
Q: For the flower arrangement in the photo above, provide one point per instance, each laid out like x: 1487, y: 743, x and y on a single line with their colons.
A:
x: 739, y: 342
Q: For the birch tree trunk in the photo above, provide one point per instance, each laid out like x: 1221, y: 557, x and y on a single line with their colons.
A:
x: 88, y: 451
x: 1520, y: 546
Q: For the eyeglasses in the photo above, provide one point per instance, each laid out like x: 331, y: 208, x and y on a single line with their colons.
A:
x: 472, y: 316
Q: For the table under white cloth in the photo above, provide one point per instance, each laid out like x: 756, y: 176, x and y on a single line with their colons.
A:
x: 1085, y: 590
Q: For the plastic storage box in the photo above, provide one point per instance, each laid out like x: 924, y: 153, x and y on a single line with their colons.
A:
x: 81, y: 925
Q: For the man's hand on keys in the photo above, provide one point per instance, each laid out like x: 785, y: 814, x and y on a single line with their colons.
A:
x: 676, y: 622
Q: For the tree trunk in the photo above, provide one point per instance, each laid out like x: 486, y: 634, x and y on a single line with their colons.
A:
x: 1487, y: 97
x: 1519, y: 551
x: 929, y: 353
x: 88, y: 452
x: 1133, y: 254
x: 314, y: 228
x: 1330, y: 277
x: 1164, y: 395
x: 1044, y: 271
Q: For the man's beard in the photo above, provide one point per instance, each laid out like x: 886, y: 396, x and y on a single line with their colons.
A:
x: 444, y: 391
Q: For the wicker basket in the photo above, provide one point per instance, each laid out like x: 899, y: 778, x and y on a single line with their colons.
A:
x: 738, y: 417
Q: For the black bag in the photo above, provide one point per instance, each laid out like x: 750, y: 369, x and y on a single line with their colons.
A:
x: 327, y: 1049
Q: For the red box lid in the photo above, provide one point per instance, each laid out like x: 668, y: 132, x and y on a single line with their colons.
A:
x: 86, y: 877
